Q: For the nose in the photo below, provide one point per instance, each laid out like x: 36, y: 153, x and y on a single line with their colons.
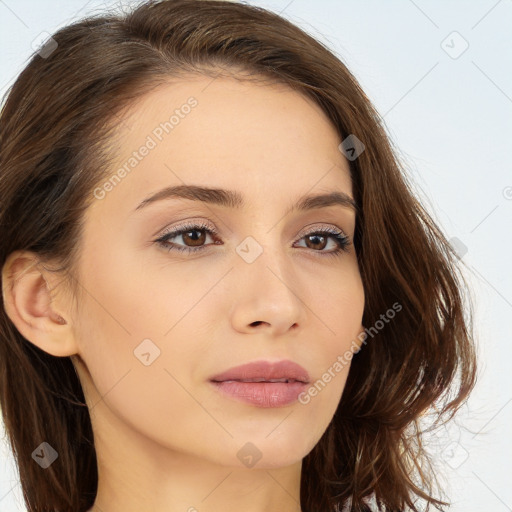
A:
x: 268, y: 295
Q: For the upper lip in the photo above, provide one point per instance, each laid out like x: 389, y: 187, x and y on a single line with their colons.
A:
x: 265, y: 371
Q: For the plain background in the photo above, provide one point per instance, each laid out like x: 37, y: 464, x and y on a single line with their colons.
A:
x: 440, y: 74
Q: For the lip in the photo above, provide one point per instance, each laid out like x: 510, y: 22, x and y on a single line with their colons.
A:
x: 264, y: 393
x: 266, y: 370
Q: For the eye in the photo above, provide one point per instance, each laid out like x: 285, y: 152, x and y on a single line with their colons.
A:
x: 194, y: 240
x: 189, y: 234
x: 322, y: 236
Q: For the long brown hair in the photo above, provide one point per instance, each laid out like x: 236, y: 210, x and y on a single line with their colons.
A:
x: 55, y: 127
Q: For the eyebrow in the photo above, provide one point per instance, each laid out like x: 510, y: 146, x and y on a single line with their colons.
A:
x: 233, y: 199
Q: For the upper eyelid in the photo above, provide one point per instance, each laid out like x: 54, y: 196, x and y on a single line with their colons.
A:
x: 188, y: 225
x: 201, y: 225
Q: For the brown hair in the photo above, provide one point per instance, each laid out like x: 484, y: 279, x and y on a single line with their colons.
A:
x: 55, y: 128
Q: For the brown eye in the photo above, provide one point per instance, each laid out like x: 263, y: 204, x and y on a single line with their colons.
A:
x: 193, y: 237
x: 190, y: 237
x: 316, y: 241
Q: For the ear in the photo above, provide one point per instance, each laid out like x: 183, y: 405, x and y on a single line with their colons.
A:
x: 35, y: 307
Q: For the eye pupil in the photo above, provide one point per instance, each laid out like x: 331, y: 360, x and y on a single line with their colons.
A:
x: 196, y: 240
x: 315, y: 236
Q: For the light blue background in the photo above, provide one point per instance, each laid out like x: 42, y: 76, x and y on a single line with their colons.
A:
x: 451, y: 119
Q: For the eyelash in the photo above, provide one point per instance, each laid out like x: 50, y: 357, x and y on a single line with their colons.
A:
x: 342, y: 240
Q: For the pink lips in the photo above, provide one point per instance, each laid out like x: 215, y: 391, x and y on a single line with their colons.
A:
x: 263, y: 383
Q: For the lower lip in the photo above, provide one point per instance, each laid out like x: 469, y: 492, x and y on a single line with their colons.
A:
x: 262, y: 394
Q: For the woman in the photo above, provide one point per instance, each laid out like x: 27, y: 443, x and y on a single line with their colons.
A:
x: 219, y: 290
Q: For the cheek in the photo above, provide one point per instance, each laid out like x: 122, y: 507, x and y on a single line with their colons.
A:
x: 128, y: 299
x: 139, y: 330
x: 339, y: 305
x: 137, y: 378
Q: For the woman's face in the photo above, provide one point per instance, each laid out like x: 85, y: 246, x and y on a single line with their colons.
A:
x: 156, y: 324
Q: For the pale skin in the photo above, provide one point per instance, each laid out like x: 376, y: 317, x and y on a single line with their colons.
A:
x: 165, y: 439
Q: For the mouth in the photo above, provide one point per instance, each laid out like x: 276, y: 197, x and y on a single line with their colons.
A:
x: 263, y: 383
x: 261, y: 380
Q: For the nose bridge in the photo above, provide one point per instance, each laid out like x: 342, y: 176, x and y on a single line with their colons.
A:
x: 273, y: 267
x: 266, y: 270
x: 263, y: 248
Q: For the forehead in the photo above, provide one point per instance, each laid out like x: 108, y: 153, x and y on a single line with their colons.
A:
x: 262, y: 139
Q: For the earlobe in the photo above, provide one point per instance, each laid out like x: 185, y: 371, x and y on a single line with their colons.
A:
x: 27, y: 295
